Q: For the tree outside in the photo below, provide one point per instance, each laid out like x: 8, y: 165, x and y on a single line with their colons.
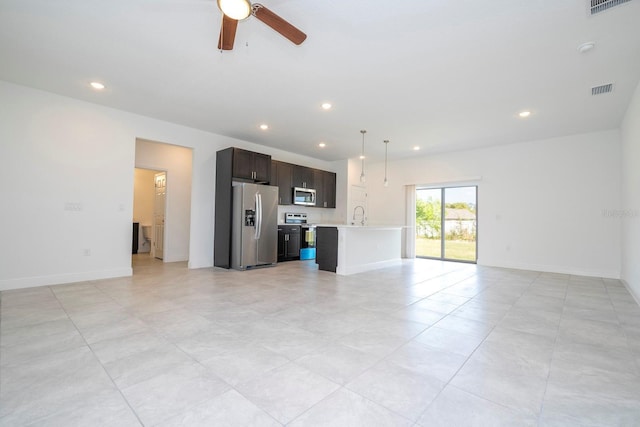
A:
x: 428, y: 214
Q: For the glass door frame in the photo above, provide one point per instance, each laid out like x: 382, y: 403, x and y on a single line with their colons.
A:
x: 443, y: 219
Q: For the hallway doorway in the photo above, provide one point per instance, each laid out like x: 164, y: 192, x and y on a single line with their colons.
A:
x: 148, y: 212
x: 167, y: 199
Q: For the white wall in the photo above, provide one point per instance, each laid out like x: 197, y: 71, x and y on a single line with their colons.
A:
x: 143, y: 196
x: 630, y: 212
x: 66, y: 174
x: 57, y: 153
x: 540, y: 203
x: 177, y: 163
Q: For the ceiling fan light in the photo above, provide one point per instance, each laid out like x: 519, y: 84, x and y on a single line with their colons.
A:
x: 235, y: 9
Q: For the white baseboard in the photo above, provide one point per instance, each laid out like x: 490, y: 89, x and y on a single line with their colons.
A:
x: 57, y: 279
x: 605, y: 274
x: 193, y: 264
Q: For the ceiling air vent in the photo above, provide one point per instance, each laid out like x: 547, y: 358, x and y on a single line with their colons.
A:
x: 599, y: 90
x: 598, y: 6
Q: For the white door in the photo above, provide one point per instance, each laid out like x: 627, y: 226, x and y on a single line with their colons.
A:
x: 158, y: 214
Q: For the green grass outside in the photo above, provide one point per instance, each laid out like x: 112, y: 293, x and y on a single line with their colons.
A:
x: 454, y: 249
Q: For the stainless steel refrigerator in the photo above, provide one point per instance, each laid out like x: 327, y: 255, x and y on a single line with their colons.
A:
x: 254, y: 241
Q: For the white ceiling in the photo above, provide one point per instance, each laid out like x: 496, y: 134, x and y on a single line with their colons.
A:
x: 444, y: 75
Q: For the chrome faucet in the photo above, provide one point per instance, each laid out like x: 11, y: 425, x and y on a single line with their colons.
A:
x: 354, y: 214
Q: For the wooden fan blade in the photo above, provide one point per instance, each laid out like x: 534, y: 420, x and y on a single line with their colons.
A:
x: 227, y: 33
x: 278, y: 24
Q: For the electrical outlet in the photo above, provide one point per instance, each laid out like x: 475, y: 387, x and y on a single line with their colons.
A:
x: 87, y: 252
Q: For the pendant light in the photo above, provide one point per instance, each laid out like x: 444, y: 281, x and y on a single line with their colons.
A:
x: 386, y: 146
x: 363, y: 178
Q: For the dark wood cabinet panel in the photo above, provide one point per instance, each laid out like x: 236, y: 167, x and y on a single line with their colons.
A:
x: 302, y: 177
x: 281, y: 175
x: 222, y: 219
x: 243, y: 164
x: 288, y: 242
x: 262, y: 167
x: 329, y: 189
x: 327, y: 248
x: 325, y: 184
x: 250, y: 166
x: 318, y: 185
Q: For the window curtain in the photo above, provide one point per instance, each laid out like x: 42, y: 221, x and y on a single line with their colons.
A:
x: 410, y: 222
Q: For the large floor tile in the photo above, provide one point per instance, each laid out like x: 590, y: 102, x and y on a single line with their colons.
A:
x: 455, y: 407
x: 244, y: 364
x: 425, y: 360
x: 146, y: 364
x: 516, y: 381
x: 173, y: 392
x: 54, y: 343
x: 287, y: 392
x: 116, y: 348
x: 112, y: 327
x: 591, y: 397
x: 338, y: 362
x: 465, y: 326
x: 51, y: 384
x: 451, y: 341
x: 345, y: 408
x: 104, y: 409
x: 30, y: 333
x: 376, y: 343
x: 532, y: 320
x: 425, y: 342
x: 401, y: 390
x: 229, y: 409
x: 213, y: 342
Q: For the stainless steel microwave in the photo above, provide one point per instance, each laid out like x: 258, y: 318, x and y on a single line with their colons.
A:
x: 304, y: 196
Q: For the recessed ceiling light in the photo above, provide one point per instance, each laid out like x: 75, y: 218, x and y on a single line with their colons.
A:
x: 322, y: 145
x: 586, y: 47
x: 524, y: 114
x: 326, y: 106
x: 361, y: 157
x: 97, y: 85
x: 264, y: 126
x: 416, y: 148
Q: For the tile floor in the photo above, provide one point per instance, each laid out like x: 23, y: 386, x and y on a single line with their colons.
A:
x: 423, y: 344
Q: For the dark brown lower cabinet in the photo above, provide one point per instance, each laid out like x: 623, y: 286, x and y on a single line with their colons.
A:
x: 288, y: 242
x: 327, y: 248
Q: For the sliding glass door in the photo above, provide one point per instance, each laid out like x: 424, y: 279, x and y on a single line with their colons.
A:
x: 446, y: 223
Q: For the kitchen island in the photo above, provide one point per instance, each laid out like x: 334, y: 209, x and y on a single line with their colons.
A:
x: 350, y: 249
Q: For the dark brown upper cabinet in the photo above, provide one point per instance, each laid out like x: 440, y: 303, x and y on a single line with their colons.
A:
x: 281, y: 176
x: 303, y: 177
x: 251, y: 166
x: 286, y: 176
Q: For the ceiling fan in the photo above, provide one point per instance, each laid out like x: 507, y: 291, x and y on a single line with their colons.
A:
x: 237, y: 10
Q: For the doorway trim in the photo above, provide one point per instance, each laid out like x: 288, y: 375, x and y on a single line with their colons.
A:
x: 177, y: 162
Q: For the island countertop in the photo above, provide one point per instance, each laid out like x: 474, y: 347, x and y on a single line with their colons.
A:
x: 347, y: 249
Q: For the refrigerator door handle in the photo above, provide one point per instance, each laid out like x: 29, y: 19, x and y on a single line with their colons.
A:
x: 258, y: 215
